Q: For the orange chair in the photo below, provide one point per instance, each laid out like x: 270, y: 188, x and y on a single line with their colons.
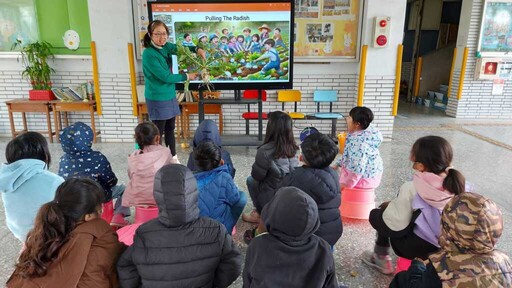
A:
x: 295, y: 96
x: 107, y: 211
x: 402, y: 264
x: 357, y: 203
x: 253, y: 94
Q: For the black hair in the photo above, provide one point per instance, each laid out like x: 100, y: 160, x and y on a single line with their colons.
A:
x: 362, y: 115
x: 226, y: 29
x: 145, y: 134
x: 30, y: 145
x: 436, y: 155
x: 151, y: 27
x: 240, y: 36
x: 280, y: 131
x: 256, y: 35
x: 278, y: 29
x: 270, y: 42
x: 231, y: 37
x: 55, y: 222
x: 318, y: 150
x: 207, y: 155
x: 186, y: 35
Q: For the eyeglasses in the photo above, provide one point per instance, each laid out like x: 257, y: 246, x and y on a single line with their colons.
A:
x: 160, y: 34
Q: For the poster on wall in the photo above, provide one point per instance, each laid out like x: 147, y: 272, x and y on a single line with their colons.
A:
x: 18, y: 23
x: 331, y: 35
x: 496, y: 29
x: 141, y: 22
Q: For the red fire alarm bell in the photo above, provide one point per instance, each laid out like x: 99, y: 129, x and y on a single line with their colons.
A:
x: 381, y: 31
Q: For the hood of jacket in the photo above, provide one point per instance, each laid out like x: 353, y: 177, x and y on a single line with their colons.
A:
x: 471, y: 226
x: 151, y: 156
x: 291, y: 216
x: 13, y: 175
x: 176, y: 195
x: 76, y: 138
x: 429, y: 187
x: 207, y: 130
x: 204, y: 175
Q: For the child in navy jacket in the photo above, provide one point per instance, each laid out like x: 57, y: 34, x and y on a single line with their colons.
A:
x: 80, y: 160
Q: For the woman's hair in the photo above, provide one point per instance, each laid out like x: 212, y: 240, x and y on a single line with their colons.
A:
x: 151, y: 27
x: 436, y: 154
x: 279, y: 130
x: 257, y: 36
x: 145, y: 134
x: 30, y: 145
x: 361, y: 115
x: 207, y: 155
x: 54, y: 223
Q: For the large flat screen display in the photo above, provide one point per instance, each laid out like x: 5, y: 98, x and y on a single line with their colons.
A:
x: 249, y: 44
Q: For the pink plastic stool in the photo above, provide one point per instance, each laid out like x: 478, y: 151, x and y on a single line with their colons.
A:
x: 108, y: 211
x: 357, y: 203
x: 234, y: 231
x: 145, y: 213
x: 402, y: 264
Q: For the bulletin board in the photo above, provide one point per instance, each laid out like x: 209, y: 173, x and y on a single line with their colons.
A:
x: 324, y: 30
x: 327, y: 30
x: 496, y: 29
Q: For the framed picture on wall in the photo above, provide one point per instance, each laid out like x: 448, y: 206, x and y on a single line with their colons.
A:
x: 496, y: 29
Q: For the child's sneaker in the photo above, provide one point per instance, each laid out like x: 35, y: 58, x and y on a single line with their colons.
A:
x: 251, y: 217
x: 378, y: 262
x: 175, y: 160
x: 119, y: 221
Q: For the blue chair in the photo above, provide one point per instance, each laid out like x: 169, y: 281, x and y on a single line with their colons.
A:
x: 326, y: 96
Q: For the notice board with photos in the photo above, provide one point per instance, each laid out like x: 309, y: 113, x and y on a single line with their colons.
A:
x: 324, y: 30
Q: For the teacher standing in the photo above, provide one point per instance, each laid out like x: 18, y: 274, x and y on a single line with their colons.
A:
x: 160, y: 90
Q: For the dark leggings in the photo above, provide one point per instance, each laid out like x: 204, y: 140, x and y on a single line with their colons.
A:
x: 166, y: 128
x: 405, y: 243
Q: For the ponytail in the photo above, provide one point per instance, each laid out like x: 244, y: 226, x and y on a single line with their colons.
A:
x: 55, y: 221
x: 145, y: 134
x: 454, y: 181
x: 51, y: 231
x: 146, y: 41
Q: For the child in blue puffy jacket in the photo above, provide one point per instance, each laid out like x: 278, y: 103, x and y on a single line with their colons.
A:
x: 219, y: 197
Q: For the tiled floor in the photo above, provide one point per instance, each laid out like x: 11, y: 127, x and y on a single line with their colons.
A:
x: 483, y: 153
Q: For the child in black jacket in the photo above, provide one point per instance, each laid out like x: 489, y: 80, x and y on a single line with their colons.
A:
x: 317, y: 179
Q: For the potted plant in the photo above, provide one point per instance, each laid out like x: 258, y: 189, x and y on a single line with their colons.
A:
x: 34, y: 58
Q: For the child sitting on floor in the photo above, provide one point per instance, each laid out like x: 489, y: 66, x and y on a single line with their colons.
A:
x: 289, y: 254
x: 80, y: 160
x: 179, y: 248
x: 361, y: 164
x: 143, y: 164
x: 25, y: 182
x: 411, y: 223
x: 318, y: 180
x: 274, y: 160
x: 471, y: 226
x: 219, y: 198
x: 208, y: 130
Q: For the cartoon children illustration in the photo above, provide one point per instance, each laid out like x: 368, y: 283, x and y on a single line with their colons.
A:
x: 278, y: 38
x: 274, y: 61
x: 214, y: 41
x: 255, y: 45
x: 187, y: 40
x: 223, y: 45
x: 240, y: 43
x: 247, y: 37
x: 202, y: 41
x: 265, y: 32
x: 232, y: 44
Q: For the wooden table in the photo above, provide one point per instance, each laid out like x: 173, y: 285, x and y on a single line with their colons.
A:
x: 59, y: 106
x: 25, y: 106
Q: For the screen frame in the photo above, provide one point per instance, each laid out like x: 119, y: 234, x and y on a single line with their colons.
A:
x: 246, y: 84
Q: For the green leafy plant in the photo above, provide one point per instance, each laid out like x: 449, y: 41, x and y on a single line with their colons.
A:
x: 34, y: 58
x: 196, y: 64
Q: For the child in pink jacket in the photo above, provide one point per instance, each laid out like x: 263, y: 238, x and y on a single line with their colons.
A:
x: 143, y: 164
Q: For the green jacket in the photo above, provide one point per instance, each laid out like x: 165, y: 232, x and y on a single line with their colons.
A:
x: 159, y: 81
